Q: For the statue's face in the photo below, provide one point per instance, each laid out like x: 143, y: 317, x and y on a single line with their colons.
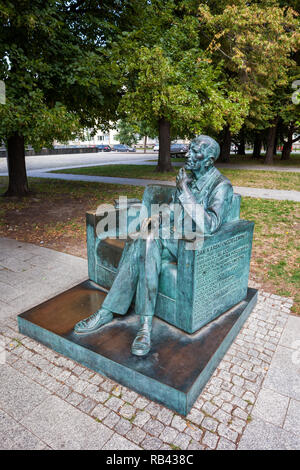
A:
x: 196, y: 161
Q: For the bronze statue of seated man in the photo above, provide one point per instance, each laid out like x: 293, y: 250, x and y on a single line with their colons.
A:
x: 140, y: 265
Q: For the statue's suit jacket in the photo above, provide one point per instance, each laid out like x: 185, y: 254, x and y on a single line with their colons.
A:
x: 215, y: 192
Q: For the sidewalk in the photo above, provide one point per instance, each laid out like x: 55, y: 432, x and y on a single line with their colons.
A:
x: 48, y: 401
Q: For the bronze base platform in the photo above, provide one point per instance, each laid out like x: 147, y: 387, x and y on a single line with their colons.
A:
x: 173, y: 373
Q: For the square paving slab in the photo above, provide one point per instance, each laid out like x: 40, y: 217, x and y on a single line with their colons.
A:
x: 173, y: 373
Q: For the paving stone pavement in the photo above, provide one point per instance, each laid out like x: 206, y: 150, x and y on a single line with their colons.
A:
x: 47, y: 401
x: 30, y: 275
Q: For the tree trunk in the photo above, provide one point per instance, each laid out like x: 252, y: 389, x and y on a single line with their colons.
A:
x: 275, y: 143
x: 164, y: 158
x: 145, y: 144
x: 18, y: 184
x: 287, y: 146
x: 225, y: 146
x: 257, y: 146
x: 271, y: 142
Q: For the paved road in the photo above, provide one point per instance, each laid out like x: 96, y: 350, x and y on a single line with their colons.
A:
x: 49, y: 162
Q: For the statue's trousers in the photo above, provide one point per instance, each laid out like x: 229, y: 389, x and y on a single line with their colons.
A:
x: 138, y: 273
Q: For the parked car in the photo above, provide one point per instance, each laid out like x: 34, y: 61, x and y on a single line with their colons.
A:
x: 123, y: 148
x: 178, y: 150
x: 104, y: 148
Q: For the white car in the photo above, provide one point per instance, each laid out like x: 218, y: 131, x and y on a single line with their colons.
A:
x: 156, y: 148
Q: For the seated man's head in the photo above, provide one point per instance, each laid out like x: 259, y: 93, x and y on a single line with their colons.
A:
x: 202, y: 154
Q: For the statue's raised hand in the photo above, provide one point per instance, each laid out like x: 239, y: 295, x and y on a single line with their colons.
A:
x: 182, y: 179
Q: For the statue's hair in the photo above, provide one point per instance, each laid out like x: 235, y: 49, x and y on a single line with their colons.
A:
x: 209, y: 147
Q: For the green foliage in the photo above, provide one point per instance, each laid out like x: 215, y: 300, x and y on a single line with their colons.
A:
x: 39, y: 123
x: 186, y: 92
x: 256, y: 42
x: 69, y: 64
x: 166, y: 74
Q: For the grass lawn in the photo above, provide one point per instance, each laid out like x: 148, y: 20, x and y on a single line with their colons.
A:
x: 250, y: 178
x: 55, y: 216
x: 276, y: 252
x: 294, y: 161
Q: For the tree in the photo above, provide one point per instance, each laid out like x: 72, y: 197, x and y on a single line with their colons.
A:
x: 130, y: 132
x: 169, y: 82
x: 271, y: 140
x: 289, y: 107
x: 255, y: 40
x: 257, y: 144
x: 56, y: 78
x: 241, y: 142
x: 126, y: 133
x: 286, y: 116
x: 287, y: 145
x: 145, y: 131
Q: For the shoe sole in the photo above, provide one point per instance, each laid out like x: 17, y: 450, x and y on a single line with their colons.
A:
x: 87, y: 332
x: 90, y: 331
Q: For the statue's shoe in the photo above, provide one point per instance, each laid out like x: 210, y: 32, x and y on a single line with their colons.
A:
x: 142, y: 342
x: 94, y: 322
